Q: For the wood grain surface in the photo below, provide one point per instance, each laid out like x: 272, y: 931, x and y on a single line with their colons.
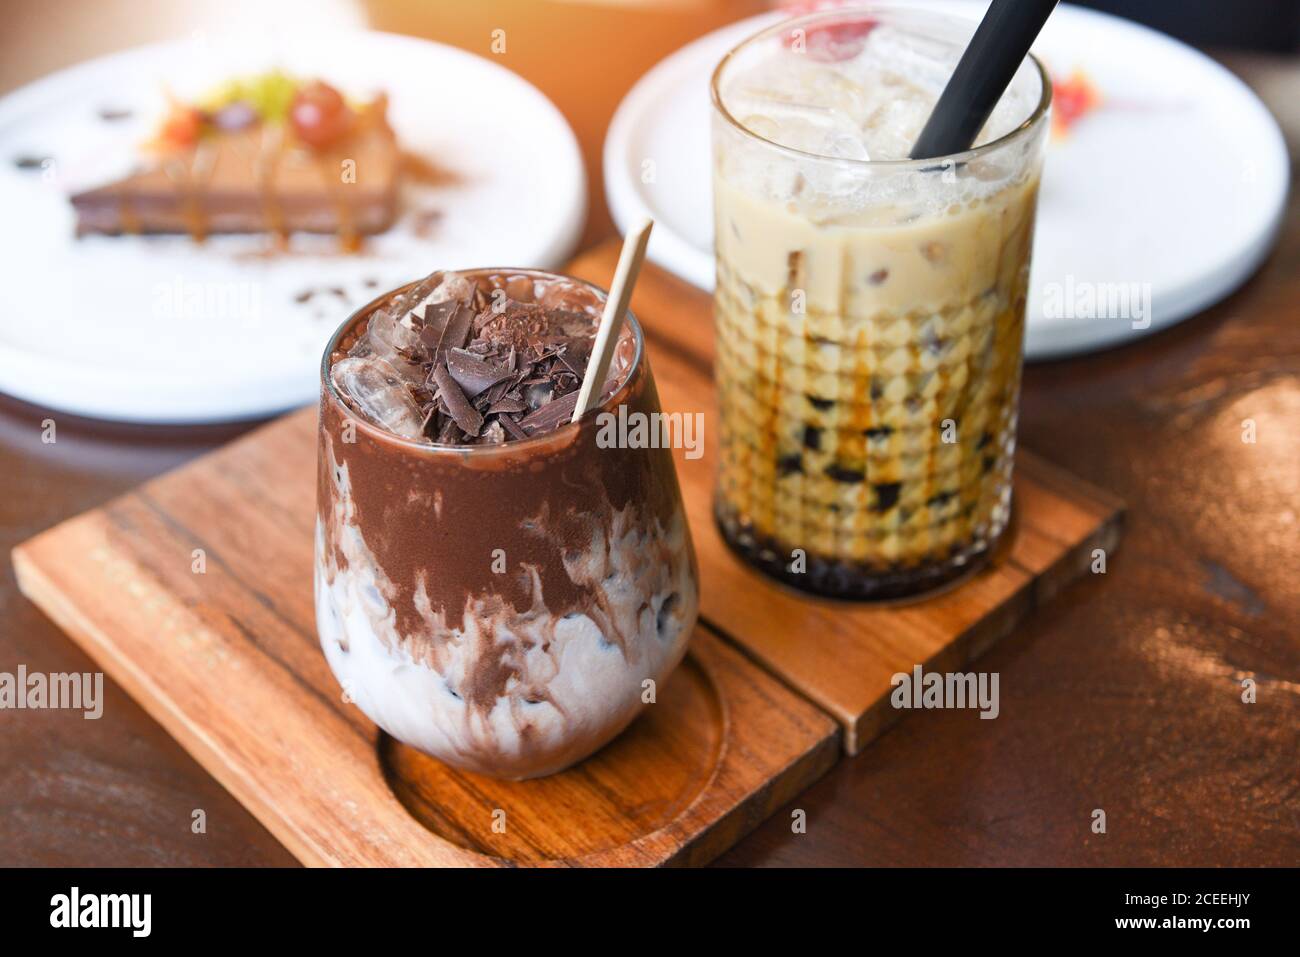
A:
x: 228, y: 661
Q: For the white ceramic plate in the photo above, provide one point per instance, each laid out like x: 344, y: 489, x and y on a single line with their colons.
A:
x: 159, y: 329
x: 1176, y: 183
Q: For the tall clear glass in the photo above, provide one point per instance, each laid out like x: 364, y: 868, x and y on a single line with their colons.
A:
x: 870, y: 313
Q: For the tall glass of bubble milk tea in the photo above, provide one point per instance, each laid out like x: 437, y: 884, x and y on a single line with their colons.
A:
x: 870, y: 308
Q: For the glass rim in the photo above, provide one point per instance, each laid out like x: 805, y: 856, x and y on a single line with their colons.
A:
x: 480, y: 451
x: 1035, y: 118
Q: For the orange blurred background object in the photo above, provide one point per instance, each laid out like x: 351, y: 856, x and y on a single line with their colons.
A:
x: 584, y: 56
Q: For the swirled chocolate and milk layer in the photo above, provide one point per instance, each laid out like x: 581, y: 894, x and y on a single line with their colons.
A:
x: 493, y: 586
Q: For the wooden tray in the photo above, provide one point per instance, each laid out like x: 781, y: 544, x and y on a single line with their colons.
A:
x: 843, y: 655
x: 228, y: 661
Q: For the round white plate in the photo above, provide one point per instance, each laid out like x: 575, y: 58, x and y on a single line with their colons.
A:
x: 160, y: 329
x: 1154, y: 207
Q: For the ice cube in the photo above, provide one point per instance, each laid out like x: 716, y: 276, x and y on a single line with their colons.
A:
x: 407, y: 316
x: 396, y: 342
x: 844, y: 144
x: 452, y: 286
x: 436, y: 287
x: 410, y: 299
x: 796, y: 125
x: 895, y: 124
x: 390, y: 334
x: 379, y: 393
x: 802, y: 82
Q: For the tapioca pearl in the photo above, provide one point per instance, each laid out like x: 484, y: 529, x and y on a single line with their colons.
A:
x: 790, y: 464
x: 802, y: 412
x: 845, y: 474
x: 943, y: 506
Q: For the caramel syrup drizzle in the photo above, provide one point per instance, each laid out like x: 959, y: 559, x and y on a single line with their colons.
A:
x: 192, y: 179
x: 266, y: 166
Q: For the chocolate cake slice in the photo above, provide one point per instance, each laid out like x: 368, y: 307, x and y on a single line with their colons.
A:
x: 261, y: 158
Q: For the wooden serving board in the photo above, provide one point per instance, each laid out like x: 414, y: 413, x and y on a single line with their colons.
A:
x: 228, y: 661
x: 843, y: 655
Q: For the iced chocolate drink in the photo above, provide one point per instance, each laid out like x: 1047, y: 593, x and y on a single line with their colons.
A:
x: 870, y: 310
x: 494, y: 585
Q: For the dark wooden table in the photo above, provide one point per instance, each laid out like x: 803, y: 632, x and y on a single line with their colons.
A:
x: 1124, y: 695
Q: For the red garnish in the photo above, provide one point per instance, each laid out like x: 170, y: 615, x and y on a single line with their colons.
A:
x: 830, y: 42
x: 181, y: 129
x: 319, y: 115
x: 1072, y: 100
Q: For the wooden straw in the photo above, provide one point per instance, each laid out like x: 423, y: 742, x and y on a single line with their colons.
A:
x: 611, y: 322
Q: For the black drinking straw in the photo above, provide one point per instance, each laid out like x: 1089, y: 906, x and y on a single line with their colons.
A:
x: 982, y: 75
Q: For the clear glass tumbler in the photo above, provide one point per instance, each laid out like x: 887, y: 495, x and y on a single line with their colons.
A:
x: 870, y: 312
x: 501, y: 607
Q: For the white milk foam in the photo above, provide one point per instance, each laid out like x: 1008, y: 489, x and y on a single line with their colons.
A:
x: 592, y: 688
